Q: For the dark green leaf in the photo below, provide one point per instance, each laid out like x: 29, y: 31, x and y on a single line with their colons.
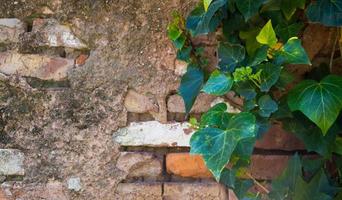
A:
x: 283, y: 110
x: 320, y: 102
x: 203, y: 22
x: 246, y: 90
x: 179, y: 42
x: 190, y: 86
x: 249, y: 8
x: 249, y: 105
x: 242, y: 187
x: 249, y: 37
x: 285, y: 184
x: 311, y: 135
x: 215, y: 117
x: 263, y: 125
x: 218, y: 84
x: 228, y: 177
x: 217, y: 145
x: 267, y: 106
x: 269, y: 75
x: 292, y: 53
x: 285, y: 31
x: 184, y: 54
x: 267, y: 35
x: 285, y: 78
x: 289, y: 7
x: 327, y: 12
x: 259, y: 56
x: 230, y: 55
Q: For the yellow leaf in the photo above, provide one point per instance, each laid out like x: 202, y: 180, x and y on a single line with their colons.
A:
x: 206, y: 4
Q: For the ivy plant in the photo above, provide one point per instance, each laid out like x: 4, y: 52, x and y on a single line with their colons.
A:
x: 256, y: 42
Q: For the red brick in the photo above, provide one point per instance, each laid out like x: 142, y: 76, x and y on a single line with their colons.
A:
x: 81, y: 60
x: 277, y: 138
x: 263, y: 167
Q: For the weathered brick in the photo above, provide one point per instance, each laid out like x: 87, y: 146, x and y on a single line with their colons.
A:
x: 53, y: 34
x: 138, y: 191
x: 277, y: 138
x: 259, y: 168
x: 192, y: 191
x: 10, y: 29
x: 136, y: 164
x: 42, y: 67
x: 202, y: 104
x: 154, y: 133
x: 184, y: 165
x: 138, y: 103
x: 11, y: 162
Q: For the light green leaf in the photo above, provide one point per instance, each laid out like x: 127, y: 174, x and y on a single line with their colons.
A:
x: 292, y: 53
x: 327, y: 12
x: 267, y: 35
x: 230, y: 55
x: 206, y: 4
x: 218, y: 84
x: 267, y: 106
x: 289, y: 7
x: 249, y: 8
x: 320, y: 102
x: 217, y: 145
x: 190, y: 86
x: 269, y: 75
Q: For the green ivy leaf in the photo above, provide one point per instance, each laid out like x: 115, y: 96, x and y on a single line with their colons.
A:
x: 259, y: 56
x: 250, y: 39
x: 215, y: 117
x: 206, y: 4
x: 267, y: 35
x: 292, y: 53
x: 184, y: 54
x: 289, y: 7
x: 267, y: 106
x: 285, y: 31
x: 202, y: 22
x: 179, y: 42
x: 190, y: 86
x: 285, y: 184
x: 245, y: 89
x: 230, y: 55
x: 285, y: 78
x: 249, y: 8
x: 269, y: 75
x: 217, y: 145
x: 218, y: 84
x: 311, y: 135
x: 327, y: 12
x: 320, y: 102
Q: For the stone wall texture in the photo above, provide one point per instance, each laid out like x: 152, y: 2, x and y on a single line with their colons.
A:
x: 89, y: 108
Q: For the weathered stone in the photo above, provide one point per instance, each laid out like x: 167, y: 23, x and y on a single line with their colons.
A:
x: 53, y: 34
x: 42, y: 67
x: 74, y: 184
x: 10, y: 29
x: 189, y: 191
x: 144, y: 165
x: 153, y: 133
x: 277, y: 138
x: 53, y: 190
x: 138, y: 191
x: 180, y: 67
x: 181, y: 164
x: 138, y: 103
x: 11, y: 162
x: 259, y: 168
x: 202, y: 104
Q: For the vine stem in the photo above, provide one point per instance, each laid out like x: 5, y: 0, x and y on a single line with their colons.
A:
x: 257, y: 182
x: 333, y: 50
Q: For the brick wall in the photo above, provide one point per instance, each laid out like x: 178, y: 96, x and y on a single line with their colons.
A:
x: 89, y: 108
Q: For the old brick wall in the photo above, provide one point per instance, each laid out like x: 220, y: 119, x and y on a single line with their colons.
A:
x: 88, y: 104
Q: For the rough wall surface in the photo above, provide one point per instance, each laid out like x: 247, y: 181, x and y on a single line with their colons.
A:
x: 74, y: 74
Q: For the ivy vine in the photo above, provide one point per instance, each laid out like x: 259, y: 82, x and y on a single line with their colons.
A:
x: 256, y: 41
